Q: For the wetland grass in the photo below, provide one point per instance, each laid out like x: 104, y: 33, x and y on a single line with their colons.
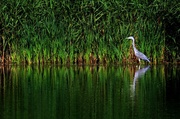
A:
x: 86, y: 32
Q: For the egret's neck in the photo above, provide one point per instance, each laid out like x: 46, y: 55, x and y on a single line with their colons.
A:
x: 134, y: 47
x: 133, y: 43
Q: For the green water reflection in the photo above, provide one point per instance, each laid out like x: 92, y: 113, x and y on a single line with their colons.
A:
x: 98, y: 92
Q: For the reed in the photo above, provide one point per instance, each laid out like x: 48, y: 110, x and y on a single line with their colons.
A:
x: 86, y: 32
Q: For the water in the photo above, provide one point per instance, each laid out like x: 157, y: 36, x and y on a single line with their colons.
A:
x: 90, y: 92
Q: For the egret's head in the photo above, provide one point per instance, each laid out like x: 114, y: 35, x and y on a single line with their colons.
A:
x: 130, y: 37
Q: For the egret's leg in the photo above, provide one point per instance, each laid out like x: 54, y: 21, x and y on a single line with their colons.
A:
x: 139, y: 60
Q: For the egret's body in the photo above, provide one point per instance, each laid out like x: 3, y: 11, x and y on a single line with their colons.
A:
x: 137, y: 53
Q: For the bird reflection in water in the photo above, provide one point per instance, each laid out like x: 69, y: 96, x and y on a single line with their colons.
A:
x: 137, y: 75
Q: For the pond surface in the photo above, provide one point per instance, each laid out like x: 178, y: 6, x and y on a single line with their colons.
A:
x: 90, y: 92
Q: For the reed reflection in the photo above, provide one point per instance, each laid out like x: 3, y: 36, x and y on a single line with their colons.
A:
x: 87, y: 91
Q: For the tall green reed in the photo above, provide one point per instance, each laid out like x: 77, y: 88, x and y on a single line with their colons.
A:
x: 81, y: 31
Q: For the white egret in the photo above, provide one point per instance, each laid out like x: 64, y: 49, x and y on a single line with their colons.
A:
x: 137, y: 53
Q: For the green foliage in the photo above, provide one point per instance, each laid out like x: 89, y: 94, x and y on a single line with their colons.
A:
x: 39, y: 31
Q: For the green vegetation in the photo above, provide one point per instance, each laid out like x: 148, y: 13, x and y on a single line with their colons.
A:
x: 87, y: 31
